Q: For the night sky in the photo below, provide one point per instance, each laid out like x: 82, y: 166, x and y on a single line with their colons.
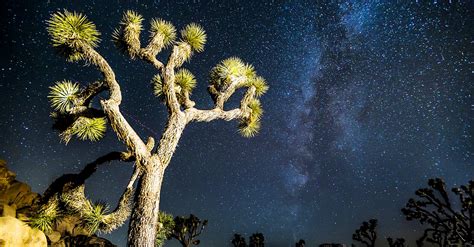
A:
x: 367, y: 101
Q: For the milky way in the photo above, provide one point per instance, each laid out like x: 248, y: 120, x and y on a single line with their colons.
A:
x: 367, y: 100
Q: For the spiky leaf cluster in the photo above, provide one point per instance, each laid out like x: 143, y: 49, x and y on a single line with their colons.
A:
x: 46, y: 217
x: 86, y: 128
x: 127, y: 36
x: 195, y: 36
x: 132, y: 18
x: 164, y: 28
x: 185, y: 80
x: 229, y: 68
x: 165, y: 228
x: 68, y: 30
x: 251, y: 126
x: 157, y: 83
x: 62, y: 95
x: 260, y: 85
x: 234, y: 73
x: 95, y: 217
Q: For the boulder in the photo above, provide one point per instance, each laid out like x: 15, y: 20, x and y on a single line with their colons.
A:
x: 16, y: 233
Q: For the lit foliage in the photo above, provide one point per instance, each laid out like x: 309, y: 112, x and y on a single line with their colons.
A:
x: 67, y: 29
x: 132, y: 18
x: 165, y: 28
x: 260, y: 85
x: 46, y: 217
x: 223, y: 72
x: 185, y: 80
x: 85, y: 128
x: 62, y: 95
x: 157, y: 85
x: 95, y: 217
x: 195, y: 36
x: 165, y: 228
x: 233, y: 72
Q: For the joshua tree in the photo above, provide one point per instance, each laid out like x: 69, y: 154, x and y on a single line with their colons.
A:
x: 448, y: 225
x: 366, y: 233
x: 76, y: 38
x: 399, y: 242
x: 239, y: 241
x: 257, y: 240
x: 300, y: 243
x: 187, y: 229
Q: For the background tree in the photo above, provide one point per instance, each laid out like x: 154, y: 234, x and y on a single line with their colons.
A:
x: 239, y: 241
x: 76, y: 38
x: 399, y: 242
x: 300, y: 243
x: 257, y: 240
x: 366, y: 233
x: 187, y: 229
x: 448, y: 224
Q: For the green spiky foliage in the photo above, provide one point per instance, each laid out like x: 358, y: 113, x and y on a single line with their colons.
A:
x: 260, y: 85
x: 251, y: 126
x: 68, y: 30
x: 157, y: 85
x: 185, y: 80
x: 165, y: 228
x: 195, y: 36
x: 95, y: 217
x: 46, y: 217
x: 131, y: 17
x: 62, y: 95
x: 86, y: 128
x: 165, y: 28
x: 222, y: 73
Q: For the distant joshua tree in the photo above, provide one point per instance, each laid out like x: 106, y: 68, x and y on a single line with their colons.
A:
x: 76, y: 38
x: 300, y: 243
x: 399, y: 242
x: 257, y: 240
x: 366, y: 233
x: 449, y: 224
x: 187, y: 229
x: 239, y: 241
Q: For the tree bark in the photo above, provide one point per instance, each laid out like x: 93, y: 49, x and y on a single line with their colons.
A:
x: 143, y: 222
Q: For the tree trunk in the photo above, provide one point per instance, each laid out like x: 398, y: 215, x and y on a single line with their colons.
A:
x: 143, y: 223
x: 144, y: 218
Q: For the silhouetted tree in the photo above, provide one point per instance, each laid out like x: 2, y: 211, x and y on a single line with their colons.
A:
x: 399, y: 242
x: 76, y: 38
x: 186, y: 230
x: 239, y: 241
x: 366, y: 233
x: 257, y: 240
x: 447, y: 225
x: 300, y: 243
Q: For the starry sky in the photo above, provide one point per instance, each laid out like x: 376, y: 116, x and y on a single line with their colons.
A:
x: 367, y: 100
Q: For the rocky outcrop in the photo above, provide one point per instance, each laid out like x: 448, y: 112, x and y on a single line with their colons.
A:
x: 16, y: 198
x: 15, y: 233
x: 17, y: 203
